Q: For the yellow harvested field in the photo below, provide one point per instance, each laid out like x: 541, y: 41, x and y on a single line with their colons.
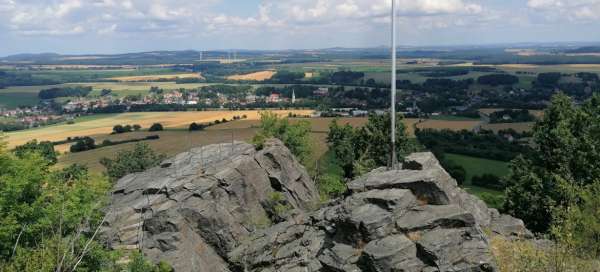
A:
x: 103, y: 124
x: 172, y: 142
x: 452, y: 125
x: 519, y: 127
x: 156, y: 77
x: 258, y: 76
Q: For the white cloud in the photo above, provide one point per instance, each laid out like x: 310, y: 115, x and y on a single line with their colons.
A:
x: 194, y: 17
x: 573, y: 10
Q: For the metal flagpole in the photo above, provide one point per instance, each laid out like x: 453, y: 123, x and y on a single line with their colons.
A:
x: 394, y: 159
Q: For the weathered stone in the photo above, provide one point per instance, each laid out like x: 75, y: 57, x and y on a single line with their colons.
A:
x: 392, y: 253
x: 208, y: 210
x: 429, y: 217
x: 198, y: 206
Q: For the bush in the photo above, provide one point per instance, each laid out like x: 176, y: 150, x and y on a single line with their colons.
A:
x: 141, y: 158
x: 46, y: 149
x: 196, y: 127
x: 83, y: 144
x: 295, y: 136
x: 331, y: 186
x: 156, y: 127
x: 137, y: 127
x: 489, y: 181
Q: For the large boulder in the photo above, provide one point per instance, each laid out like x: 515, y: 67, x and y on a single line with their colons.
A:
x: 195, y: 208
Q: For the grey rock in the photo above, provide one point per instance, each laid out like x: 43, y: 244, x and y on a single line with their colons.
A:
x: 198, y: 206
x: 210, y: 210
x: 392, y: 253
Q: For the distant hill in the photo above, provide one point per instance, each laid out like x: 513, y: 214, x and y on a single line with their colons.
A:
x: 585, y: 49
x: 142, y: 58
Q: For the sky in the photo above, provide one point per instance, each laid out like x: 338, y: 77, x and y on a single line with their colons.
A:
x: 118, y: 26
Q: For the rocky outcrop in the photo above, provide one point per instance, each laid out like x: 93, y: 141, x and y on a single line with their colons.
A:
x: 198, y: 206
x: 231, y: 208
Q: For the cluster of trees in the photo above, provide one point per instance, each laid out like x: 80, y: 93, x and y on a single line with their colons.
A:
x: 498, y: 79
x: 86, y: 143
x: 49, y: 218
x: 199, y: 126
x: 548, y: 80
x: 287, y: 77
x: 346, y: 77
x: 44, y: 149
x: 484, y: 144
x: 563, y: 167
x: 139, y: 159
x: 511, y: 116
x: 22, y: 79
x: 358, y: 150
x: 78, y: 91
x: 555, y: 189
x: 295, y: 136
x: 12, y: 125
x: 120, y: 129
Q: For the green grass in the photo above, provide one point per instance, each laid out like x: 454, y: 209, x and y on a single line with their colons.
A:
x: 477, y: 166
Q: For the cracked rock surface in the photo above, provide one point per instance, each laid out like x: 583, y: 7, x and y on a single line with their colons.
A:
x: 212, y: 209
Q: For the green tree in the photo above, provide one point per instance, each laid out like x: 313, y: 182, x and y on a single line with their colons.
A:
x: 360, y: 150
x: 83, y: 144
x: 578, y: 226
x: 46, y: 149
x: 141, y: 158
x: 46, y: 216
x: 566, y: 154
x: 156, y: 127
x: 295, y: 136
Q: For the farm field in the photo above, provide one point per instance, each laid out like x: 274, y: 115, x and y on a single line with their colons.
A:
x: 172, y: 142
x: 444, y: 124
x: 156, y: 77
x: 258, y: 76
x: 519, y: 127
x: 478, y: 166
x: 13, y: 97
x: 103, y: 124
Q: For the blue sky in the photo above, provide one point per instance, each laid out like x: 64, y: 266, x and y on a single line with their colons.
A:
x: 113, y: 26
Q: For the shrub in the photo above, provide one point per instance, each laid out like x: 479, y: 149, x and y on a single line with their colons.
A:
x: 141, y: 158
x: 156, y: 127
x: 137, y: 127
x: 489, y: 181
x: 331, y: 186
x: 196, y: 127
x: 46, y: 149
x: 83, y: 144
x: 118, y: 129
